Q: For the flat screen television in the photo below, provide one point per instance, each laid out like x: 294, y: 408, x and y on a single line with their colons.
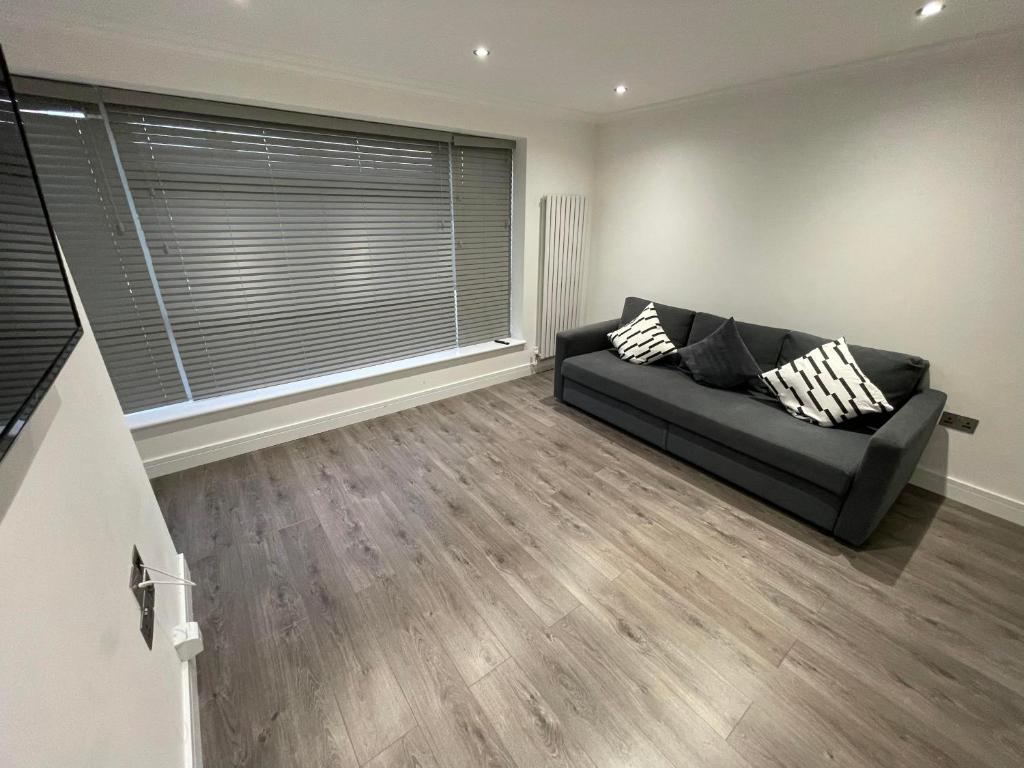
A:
x: 39, y: 323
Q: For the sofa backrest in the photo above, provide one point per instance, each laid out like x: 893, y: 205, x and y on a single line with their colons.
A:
x: 898, y: 375
x: 763, y: 341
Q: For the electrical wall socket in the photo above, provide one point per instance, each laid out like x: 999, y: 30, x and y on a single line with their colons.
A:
x: 146, y: 597
x: 958, y: 422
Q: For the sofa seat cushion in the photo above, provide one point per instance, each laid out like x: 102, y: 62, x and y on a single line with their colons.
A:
x: 760, y: 428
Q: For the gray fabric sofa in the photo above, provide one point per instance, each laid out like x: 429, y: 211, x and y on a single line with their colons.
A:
x: 843, y: 479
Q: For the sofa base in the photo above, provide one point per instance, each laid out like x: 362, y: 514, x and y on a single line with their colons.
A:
x: 808, y: 501
x: 793, y: 494
x: 615, y: 412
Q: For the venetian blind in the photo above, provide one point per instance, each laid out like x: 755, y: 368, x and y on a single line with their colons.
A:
x: 220, y: 248
x: 282, y: 252
x: 482, y: 201
x: 90, y: 215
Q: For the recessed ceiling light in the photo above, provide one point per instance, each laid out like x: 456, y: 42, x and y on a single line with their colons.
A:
x: 621, y: 89
x: 930, y: 8
x: 481, y: 53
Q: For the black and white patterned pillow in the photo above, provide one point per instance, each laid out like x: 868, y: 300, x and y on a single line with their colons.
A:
x: 642, y: 340
x: 826, y: 386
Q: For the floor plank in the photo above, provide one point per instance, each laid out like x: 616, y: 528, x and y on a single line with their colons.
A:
x: 454, y: 725
x: 372, y: 703
x: 411, y: 751
x: 587, y: 707
x: 716, y: 676
x: 315, y: 731
x: 525, y: 722
x: 642, y: 692
x: 471, y: 644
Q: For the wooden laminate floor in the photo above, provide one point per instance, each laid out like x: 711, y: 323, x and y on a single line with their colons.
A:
x: 499, y: 580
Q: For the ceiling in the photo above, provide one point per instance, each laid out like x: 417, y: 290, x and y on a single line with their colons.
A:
x: 564, y: 54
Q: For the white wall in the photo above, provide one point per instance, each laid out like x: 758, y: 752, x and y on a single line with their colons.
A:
x: 556, y: 155
x: 78, y: 686
x: 883, y: 201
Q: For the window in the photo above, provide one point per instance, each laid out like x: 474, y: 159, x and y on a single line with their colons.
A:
x: 220, y: 249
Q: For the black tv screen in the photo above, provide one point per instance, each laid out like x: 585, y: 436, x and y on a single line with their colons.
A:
x: 39, y: 323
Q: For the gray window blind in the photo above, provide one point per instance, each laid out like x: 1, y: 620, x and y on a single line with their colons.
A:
x: 88, y: 208
x: 482, y: 202
x: 282, y: 246
x: 35, y: 318
x: 283, y: 253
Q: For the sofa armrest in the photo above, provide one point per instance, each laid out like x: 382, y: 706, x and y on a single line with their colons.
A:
x: 889, y: 461
x: 580, y: 341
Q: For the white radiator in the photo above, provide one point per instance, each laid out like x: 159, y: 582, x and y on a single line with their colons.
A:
x: 563, y: 267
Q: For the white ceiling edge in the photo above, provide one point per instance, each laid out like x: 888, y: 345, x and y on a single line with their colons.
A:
x: 295, y: 64
x: 882, y: 60
x: 325, y: 70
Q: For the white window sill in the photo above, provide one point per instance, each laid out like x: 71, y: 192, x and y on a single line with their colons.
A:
x: 179, y: 411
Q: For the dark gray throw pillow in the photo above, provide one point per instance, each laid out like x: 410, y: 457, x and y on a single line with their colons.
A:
x: 722, y: 360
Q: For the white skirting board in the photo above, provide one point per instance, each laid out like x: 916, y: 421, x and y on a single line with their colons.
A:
x: 987, y: 501
x: 193, y: 751
x: 165, y: 465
